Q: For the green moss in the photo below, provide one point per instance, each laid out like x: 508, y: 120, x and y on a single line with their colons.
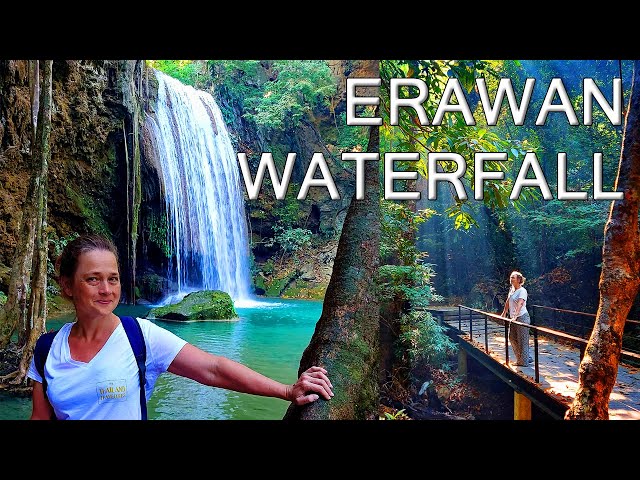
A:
x: 305, y: 292
x: 137, y: 196
x: 275, y: 288
x: 268, y: 267
x: 157, y: 228
x: 89, y: 212
x: 5, y: 275
x: 259, y: 282
x: 203, y: 305
x: 346, y: 370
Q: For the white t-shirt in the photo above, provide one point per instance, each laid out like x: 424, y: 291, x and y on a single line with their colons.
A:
x: 108, y: 386
x: 514, y: 296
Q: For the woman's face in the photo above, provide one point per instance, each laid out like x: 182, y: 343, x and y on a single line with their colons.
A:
x: 95, y: 286
x: 514, y: 280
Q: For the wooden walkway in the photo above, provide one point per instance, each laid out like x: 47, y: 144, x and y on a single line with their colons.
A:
x: 557, y: 363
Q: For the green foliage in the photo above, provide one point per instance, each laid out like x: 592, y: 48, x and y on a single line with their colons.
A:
x: 3, y: 298
x: 287, y: 212
x: 275, y: 94
x: 56, y: 245
x: 158, y: 232
x: 298, y: 87
x: 453, y: 135
x: 90, y: 212
x: 399, y: 225
x: 423, y: 340
x: 536, y: 236
x: 291, y: 240
x: 399, y: 415
x: 351, y: 138
x: 189, y: 72
x: 276, y: 283
x: 410, y: 283
x: 268, y: 267
x: 576, y: 226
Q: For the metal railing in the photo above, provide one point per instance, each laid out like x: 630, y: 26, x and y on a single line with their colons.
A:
x: 581, y: 324
x: 536, y: 330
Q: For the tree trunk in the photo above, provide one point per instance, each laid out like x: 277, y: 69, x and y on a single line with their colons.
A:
x: 33, y: 323
x: 346, y: 338
x: 34, y: 86
x: 619, y: 280
x: 132, y: 92
x: 36, y: 316
x: 15, y: 308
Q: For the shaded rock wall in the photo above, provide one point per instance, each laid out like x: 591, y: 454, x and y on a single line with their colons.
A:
x: 87, y: 177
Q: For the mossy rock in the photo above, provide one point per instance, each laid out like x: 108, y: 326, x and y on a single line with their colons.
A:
x: 306, y: 293
x: 196, y: 306
x: 5, y: 276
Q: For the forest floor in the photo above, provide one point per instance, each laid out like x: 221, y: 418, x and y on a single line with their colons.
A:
x: 440, y: 394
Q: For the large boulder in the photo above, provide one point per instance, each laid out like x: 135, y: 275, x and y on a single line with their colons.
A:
x: 197, y: 306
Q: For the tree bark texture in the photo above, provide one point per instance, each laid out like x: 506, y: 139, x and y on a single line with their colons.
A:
x: 15, y: 309
x: 31, y: 315
x: 619, y: 280
x: 346, y: 338
x: 37, y: 312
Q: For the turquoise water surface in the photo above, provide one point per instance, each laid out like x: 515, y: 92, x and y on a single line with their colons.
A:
x: 269, y: 337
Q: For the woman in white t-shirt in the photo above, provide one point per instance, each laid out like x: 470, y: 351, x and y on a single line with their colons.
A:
x: 516, y: 305
x: 91, y: 370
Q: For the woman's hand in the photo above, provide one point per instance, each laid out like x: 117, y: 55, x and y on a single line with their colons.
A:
x: 312, y: 383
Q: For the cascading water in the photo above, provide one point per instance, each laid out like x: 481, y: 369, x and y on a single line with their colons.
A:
x: 202, y: 191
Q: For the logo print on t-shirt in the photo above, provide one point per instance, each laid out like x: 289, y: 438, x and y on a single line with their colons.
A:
x: 112, y: 391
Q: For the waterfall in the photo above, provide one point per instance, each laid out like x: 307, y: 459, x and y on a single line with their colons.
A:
x: 202, y: 191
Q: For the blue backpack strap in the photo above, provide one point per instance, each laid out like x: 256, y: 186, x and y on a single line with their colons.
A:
x: 40, y: 353
x: 136, y: 339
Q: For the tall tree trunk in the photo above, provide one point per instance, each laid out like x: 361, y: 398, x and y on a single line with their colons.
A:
x: 15, y: 308
x: 619, y: 280
x: 36, y: 317
x: 32, y: 324
x: 132, y: 92
x: 346, y: 338
x: 34, y: 87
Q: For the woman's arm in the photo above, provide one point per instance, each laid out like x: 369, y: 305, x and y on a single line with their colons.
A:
x: 519, y: 304
x: 506, y: 307
x: 41, y: 408
x: 217, y: 371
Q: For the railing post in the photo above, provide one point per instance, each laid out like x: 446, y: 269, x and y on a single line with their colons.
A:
x: 521, y: 407
x: 506, y: 342
x: 462, y: 362
x: 471, y: 324
x: 535, y: 352
x: 486, y: 335
x: 460, y: 317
